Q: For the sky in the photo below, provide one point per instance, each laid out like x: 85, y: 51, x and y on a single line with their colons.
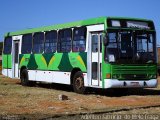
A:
x: 25, y: 14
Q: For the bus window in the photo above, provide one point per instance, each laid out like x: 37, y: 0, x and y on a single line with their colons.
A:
x: 79, y: 39
x: 95, y: 43
x: 64, y: 40
x: 101, y: 43
x: 38, y: 42
x: 50, y: 41
x: 7, y: 45
x: 150, y: 43
x: 26, y: 44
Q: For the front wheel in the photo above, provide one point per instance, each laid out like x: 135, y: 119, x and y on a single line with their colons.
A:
x: 78, y: 83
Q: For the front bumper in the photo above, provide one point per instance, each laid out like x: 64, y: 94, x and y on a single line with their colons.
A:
x: 115, y: 83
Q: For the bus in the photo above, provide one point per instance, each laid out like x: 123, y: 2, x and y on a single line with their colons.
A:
x: 102, y: 52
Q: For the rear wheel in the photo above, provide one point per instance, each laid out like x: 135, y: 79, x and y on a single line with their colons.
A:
x: 24, y: 78
x: 78, y: 83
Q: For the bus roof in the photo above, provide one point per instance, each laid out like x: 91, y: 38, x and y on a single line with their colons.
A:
x: 98, y: 20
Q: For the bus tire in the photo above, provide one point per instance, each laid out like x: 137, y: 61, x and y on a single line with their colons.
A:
x: 24, y: 78
x: 78, y: 83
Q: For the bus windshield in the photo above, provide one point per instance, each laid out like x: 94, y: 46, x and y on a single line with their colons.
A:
x: 130, y: 47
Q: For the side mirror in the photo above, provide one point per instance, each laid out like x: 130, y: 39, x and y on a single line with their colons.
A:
x: 105, y: 39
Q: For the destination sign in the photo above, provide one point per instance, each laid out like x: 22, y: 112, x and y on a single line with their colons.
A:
x: 135, y: 24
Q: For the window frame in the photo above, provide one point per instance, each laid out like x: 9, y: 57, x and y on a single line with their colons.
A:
x: 33, y: 48
x: 84, y: 40
x: 47, y: 32
x: 5, y: 46
x: 27, y: 44
x: 59, y: 42
x: 114, y: 43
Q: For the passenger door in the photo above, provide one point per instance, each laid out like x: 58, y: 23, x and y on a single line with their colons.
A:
x: 15, y: 58
x: 96, y: 58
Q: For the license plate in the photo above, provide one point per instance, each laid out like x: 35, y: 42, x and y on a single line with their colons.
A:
x: 135, y: 84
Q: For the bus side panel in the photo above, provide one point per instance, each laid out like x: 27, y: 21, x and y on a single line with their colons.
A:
x: 54, y: 62
x: 78, y: 60
x: 54, y: 67
x: 4, y: 65
x: 7, y: 65
x: 4, y: 61
x: 9, y: 61
x: 24, y: 60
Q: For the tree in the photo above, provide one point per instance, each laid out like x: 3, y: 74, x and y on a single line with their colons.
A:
x: 1, y: 47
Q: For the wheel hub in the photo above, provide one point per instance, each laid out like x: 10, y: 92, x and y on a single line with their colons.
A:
x: 79, y: 83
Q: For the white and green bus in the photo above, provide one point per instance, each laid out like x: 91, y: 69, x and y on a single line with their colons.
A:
x: 104, y: 52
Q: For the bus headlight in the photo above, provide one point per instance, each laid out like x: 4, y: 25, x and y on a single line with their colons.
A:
x: 111, y: 58
x: 152, y: 76
x: 116, y: 76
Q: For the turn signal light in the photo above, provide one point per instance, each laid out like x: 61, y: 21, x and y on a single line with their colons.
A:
x: 108, y: 75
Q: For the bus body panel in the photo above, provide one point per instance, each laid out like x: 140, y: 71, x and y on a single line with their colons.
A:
x: 7, y: 61
x: 54, y: 62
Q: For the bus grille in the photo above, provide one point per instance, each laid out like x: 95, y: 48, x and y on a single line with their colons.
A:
x: 132, y: 72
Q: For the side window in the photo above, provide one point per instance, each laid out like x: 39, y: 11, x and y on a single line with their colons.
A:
x: 79, y: 39
x: 26, y: 44
x: 38, y: 42
x: 64, y: 40
x: 7, y: 45
x: 50, y: 41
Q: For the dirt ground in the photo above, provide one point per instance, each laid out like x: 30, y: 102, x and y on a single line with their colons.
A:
x: 41, y: 101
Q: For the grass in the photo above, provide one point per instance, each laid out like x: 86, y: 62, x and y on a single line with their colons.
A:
x: 42, y: 100
x: 0, y: 67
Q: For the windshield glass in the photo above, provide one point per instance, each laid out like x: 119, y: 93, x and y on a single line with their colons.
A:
x: 130, y: 47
